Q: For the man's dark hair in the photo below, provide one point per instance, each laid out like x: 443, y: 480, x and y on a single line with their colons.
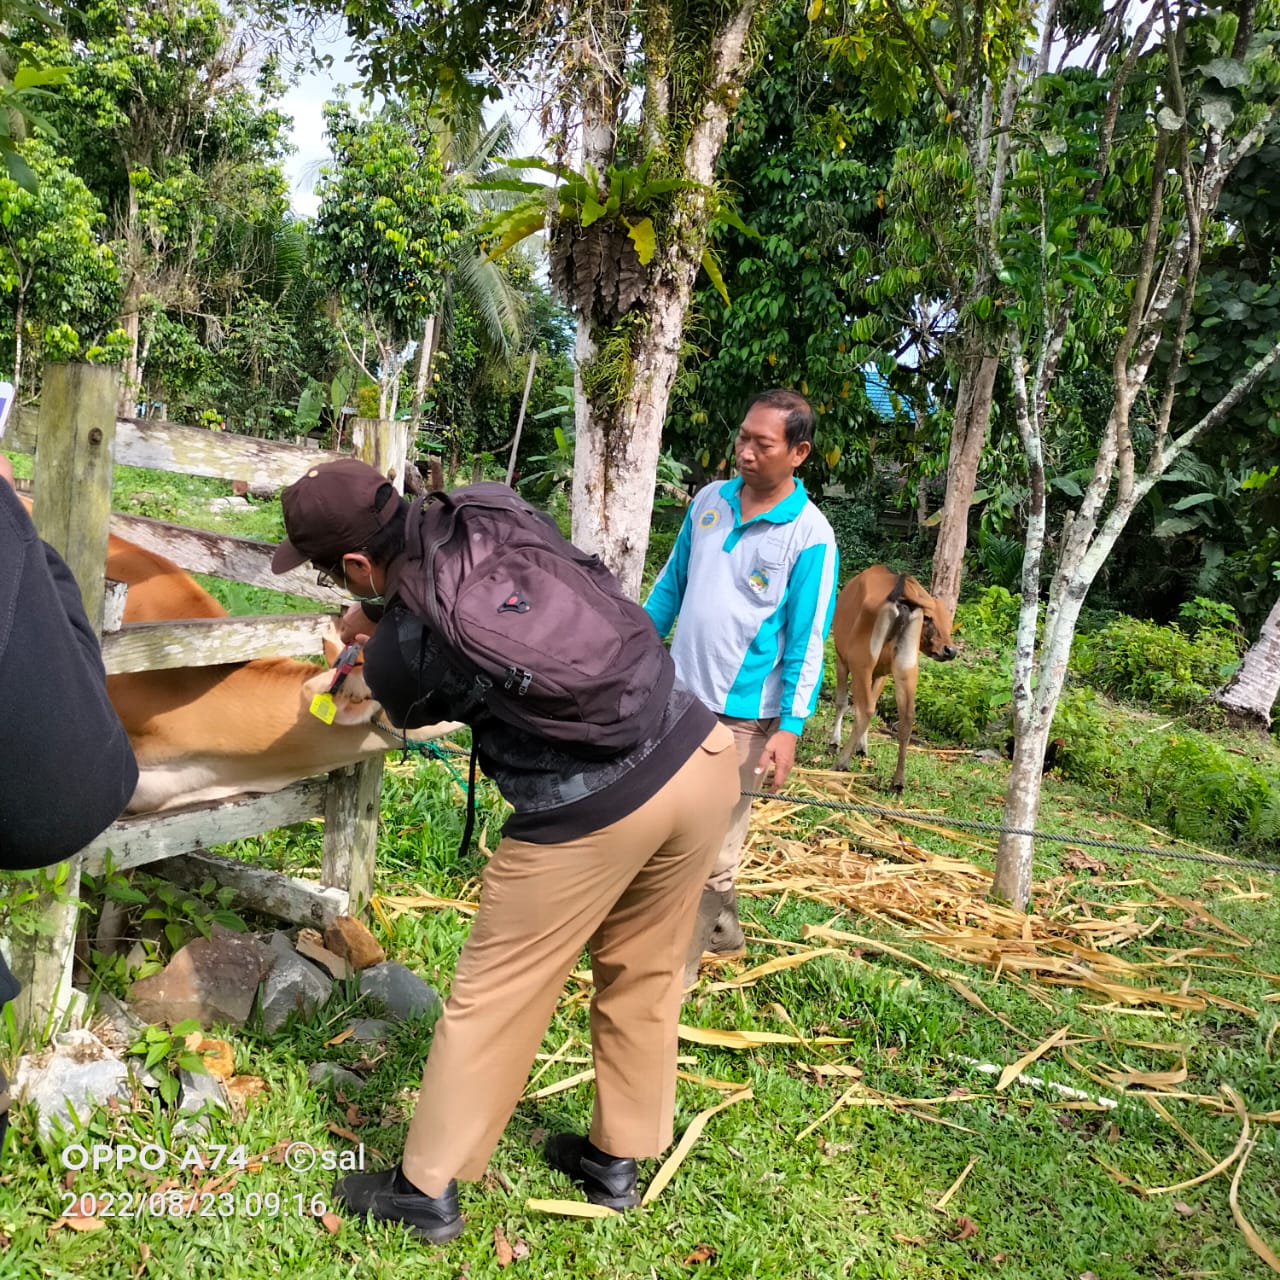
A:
x: 799, y: 420
x: 388, y: 542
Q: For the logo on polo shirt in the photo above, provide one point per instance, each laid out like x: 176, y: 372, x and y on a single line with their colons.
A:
x: 709, y: 519
x: 758, y: 581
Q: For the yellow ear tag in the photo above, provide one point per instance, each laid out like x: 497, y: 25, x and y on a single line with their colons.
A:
x: 324, y: 708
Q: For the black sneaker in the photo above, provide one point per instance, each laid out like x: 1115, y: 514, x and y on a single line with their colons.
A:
x: 607, y: 1180
x: 389, y: 1197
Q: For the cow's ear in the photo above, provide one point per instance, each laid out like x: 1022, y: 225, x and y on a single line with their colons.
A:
x: 916, y: 596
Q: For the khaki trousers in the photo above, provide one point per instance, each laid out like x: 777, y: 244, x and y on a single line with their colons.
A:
x: 629, y: 892
x: 749, y: 738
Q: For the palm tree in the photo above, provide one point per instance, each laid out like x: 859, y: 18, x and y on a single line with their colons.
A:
x: 471, y: 150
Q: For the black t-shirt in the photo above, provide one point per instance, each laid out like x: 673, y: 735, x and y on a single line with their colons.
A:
x: 66, y: 767
x: 557, y: 795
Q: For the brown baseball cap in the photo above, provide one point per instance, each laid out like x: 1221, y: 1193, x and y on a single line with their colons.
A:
x: 331, y: 510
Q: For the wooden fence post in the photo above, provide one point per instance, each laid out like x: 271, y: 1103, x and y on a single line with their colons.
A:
x: 74, y: 462
x: 351, y: 803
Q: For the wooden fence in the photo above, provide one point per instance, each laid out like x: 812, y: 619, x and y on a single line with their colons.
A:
x: 77, y: 440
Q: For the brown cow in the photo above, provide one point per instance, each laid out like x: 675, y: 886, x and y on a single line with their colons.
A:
x: 204, y: 733
x: 883, y: 622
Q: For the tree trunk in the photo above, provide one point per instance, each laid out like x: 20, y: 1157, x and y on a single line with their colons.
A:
x: 130, y: 380
x: 1251, y: 693
x: 426, y: 348
x: 1015, y: 854
x: 968, y: 436
x: 615, y: 462
x: 19, y: 315
x: 618, y: 438
x: 130, y: 383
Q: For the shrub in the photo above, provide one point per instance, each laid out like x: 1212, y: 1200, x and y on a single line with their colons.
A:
x: 1202, y: 615
x: 989, y: 619
x: 1086, y: 749
x: 962, y: 701
x: 864, y: 539
x: 1205, y: 793
x: 1157, y: 666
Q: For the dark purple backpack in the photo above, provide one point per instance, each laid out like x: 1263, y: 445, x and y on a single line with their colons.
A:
x: 535, y: 630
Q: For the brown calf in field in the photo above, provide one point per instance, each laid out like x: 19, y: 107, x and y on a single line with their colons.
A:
x: 883, y: 622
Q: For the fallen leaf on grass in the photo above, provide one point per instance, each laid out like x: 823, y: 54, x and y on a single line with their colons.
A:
x: 502, y: 1249
x: 571, y: 1208
x: 339, y: 1132
x: 749, y: 1039
x: 78, y: 1224
x: 674, y: 1160
x: 331, y: 1222
x: 219, y: 1058
x: 1078, y: 860
x: 964, y: 1229
x: 341, y: 1036
x: 569, y: 1082
x: 144, y: 1256
x: 701, y: 1253
x: 520, y: 1249
x: 898, y: 1236
x: 240, y: 1089
x: 1183, y: 1208
x: 1015, y: 1069
x: 1088, y: 1275
x: 775, y: 966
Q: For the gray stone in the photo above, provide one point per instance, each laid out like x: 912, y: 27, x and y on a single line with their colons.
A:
x: 115, y: 1020
x: 201, y: 1093
x: 210, y: 979
x: 76, y: 1075
x: 399, y: 990
x: 200, y: 1089
x: 293, y: 983
x: 329, y: 1075
x: 368, y: 1030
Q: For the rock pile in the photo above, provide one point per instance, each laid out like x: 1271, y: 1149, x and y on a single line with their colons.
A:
x: 218, y: 981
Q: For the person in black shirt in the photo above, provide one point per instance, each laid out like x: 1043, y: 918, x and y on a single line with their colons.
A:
x: 67, y: 769
x: 610, y: 854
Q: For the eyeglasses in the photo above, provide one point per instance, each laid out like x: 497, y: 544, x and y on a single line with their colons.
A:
x: 332, y: 580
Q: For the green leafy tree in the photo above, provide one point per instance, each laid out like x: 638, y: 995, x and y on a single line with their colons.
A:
x: 382, y: 235
x: 1092, y: 221
x: 808, y: 158
x: 166, y: 116
x: 649, y: 91
x: 54, y: 268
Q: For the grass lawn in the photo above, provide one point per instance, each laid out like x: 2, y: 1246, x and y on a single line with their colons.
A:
x: 1051, y: 1193
x: 870, y: 1146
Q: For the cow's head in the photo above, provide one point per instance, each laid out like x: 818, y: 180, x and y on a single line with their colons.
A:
x: 354, y: 702
x: 935, y: 628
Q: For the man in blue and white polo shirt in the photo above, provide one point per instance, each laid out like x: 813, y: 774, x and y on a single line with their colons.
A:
x: 752, y: 579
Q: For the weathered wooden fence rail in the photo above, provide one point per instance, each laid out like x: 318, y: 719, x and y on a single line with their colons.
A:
x: 77, y: 440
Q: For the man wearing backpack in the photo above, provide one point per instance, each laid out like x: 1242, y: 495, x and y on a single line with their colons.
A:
x: 621, y: 782
x: 753, y: 578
